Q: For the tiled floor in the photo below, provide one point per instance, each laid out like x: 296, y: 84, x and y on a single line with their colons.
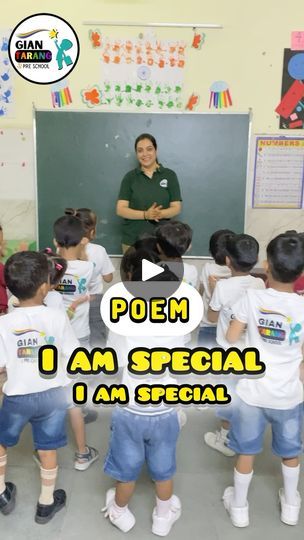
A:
x: 202, y: 476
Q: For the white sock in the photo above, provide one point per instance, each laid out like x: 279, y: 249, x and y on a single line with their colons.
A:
x: 48, y: 480
x: 241, y: 486
x: 290, y: 481
x: 224, y: 433
x: 116, y: 510
x: 3, y: 462
x: 163, y: 507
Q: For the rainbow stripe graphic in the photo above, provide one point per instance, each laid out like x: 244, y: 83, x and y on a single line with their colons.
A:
x: 32, y: 33
x: 272, y: 333
x: 26, y: 331
x: 219, y: 95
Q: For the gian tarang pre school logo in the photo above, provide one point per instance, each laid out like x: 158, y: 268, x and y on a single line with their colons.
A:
x: 43, y: 48
x: 72, y: 284
x: 271, y: 327
x: 29, y: 343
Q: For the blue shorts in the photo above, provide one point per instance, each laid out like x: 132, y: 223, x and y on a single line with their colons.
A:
x: 225, y: 412
x: 207, y: 337
x: 248, y: 427
x: 45, y: 411
x: 136, y: 439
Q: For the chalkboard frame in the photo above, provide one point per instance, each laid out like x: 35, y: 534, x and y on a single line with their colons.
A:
x: 220, y: 115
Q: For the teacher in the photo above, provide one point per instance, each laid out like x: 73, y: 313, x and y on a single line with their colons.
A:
x: 148, y: 194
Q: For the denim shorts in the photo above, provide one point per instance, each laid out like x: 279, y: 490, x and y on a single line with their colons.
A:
x: 225, y: 412
x: 136, y: 439
x: 248, y: 427
x: 45, y: 411
x: 207, y: 337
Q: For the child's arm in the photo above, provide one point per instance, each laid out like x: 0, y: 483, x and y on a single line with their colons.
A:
x: 73, y: 306
x: 107, y: 278
x: 212, y: 315
x: 235, y: 331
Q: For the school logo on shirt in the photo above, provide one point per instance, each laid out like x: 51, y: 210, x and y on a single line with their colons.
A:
x: 71, y: 284
x: 271, y: 327
x: 29, y: 343
x: 43, y: 48
x: 164, y: 183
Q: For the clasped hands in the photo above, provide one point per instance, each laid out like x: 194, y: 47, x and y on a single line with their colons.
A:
x: 154, y: 212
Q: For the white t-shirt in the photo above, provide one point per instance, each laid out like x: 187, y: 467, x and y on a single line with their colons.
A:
x: 102, y: 266
x: 122, y: 347
x: 211, y: 269
x: 275, y: 326
x: 22, y: 333
x: 74, y: 284
x: 54, y: 300
x: 190, y: 274
x: 226, y: 293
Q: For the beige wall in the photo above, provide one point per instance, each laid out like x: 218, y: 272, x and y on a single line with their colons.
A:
x: 247, y: 53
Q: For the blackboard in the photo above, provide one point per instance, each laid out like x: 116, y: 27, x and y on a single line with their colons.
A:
x: 82, y: 157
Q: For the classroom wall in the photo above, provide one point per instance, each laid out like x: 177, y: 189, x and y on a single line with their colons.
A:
x: 247, y: 53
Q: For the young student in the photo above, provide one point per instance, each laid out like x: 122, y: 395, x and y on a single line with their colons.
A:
x: 275, y: 326
x: 70, y: 239
x: 103, y: 271
x: 173, y: 241
x: 85, y: 455
x: 29, y: 397
x: 242, y: 253
x: 143, y: 433
x: 3, y: 293
x: 211, y: 273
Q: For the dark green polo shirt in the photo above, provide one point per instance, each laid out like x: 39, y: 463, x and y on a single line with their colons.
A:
x: 141, y: 192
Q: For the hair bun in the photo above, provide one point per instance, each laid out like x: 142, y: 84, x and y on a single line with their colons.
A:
x: 70, y: 211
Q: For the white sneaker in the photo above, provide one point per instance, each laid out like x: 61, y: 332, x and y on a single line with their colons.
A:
x: 161, y: 526
x: 289, y: 513
x: 125, y: 521
x: 218, y: 442
x: 238, y: 515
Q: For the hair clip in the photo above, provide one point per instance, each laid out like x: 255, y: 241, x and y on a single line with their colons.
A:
x: 58, y: 266
x: 48, y: 250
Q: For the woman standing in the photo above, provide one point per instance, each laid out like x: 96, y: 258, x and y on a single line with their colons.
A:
x: 148, y: 194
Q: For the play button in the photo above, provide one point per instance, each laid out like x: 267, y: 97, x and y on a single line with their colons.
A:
x: 145, y: 275
x: 150, y: 270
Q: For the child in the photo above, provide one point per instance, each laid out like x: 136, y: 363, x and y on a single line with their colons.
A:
x: 143, y: 433
x: 29, y: 397
x: 275, y: 326
x: 70, y: 240
x: 103, y: 270
x: 211, y: 272
x: 3, y: 293
x: 173, y: 241
x: 241, y: 256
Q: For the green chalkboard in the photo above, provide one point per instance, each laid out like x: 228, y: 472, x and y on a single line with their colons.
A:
x: 82, y: 157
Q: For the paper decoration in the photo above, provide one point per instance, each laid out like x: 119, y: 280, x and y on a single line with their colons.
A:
x: 297, y: 41
x: 198, y: 40
x: 91, y: 96
x: 140, y: 73
x: 61, y: 94
x: 95, y: 38
x: 6, y: 87
x: 278, y: 172
x: 147, y: 51
x: 220, y: 95
x: 192, y: 102
x: 291, y: 107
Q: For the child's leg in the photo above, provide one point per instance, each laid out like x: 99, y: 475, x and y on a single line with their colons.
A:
x: 242, y: 477
x: 291, y: 473
x: 85, y: 455
x: 78, y: 428
x: 48, y: 473
x: 123, y: 493
x: 3, y: 461
x: 164, y: 492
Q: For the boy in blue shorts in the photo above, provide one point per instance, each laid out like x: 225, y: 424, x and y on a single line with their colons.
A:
x: 29, y: 397
x: 275, y: 326
x: 143, y: 433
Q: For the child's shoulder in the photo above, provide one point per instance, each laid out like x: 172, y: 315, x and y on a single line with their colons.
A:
x: 95, y: 250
